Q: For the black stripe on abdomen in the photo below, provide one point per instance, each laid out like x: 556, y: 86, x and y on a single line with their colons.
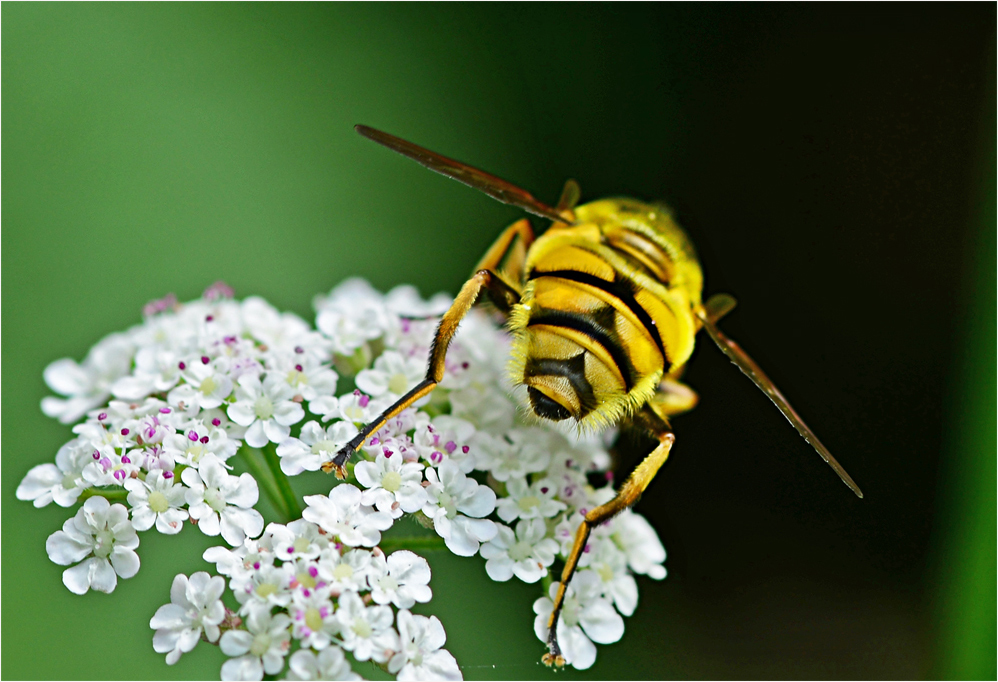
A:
x: 599, y: 330
x: 619, y: 289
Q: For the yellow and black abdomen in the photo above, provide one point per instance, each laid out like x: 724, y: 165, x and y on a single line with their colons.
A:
x: 607, y: 311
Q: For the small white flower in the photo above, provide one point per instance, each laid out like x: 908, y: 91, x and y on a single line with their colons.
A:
x: 158, y: 499
x: 206, y: 384
x: 342, y: 514
x: 366, y: 630
x: 639, y: 541
x: 393, y: 485
x: 261, y: 647
x: 348, y: 571
x: 328, y: 664
x: 307, y: 379
x: 446, y: 437
x: 392, y: 373
x: 421, y: 656
x: 197, y: 441
x: 355, y: 407
x: 222, y: 503
x: 401, y: 579
x: 300, y: 539
x: 519, y: 452
x: 276, y: 329
x: 352, y: 314
x: 525, y: 554
x: 263, y: 582
x: 532, y: 501
x: 195, y: 606
x: 88, y: 384
x: 265, y: 409
x: 619, y: 585
x: 314, y: 446
x: 156, y: 370
x: 102, y: 532
x: 457, y: 505
x: 61, y: 482
x: 585, y: 618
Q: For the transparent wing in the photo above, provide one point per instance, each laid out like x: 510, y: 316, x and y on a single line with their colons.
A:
x: 495, y: 187
x: 750, y: 369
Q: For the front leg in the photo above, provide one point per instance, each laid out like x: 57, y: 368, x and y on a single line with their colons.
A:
x: 501, y: 294
x: 626, y: 496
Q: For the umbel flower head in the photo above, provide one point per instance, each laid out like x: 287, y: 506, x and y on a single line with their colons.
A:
x: 170, y: 406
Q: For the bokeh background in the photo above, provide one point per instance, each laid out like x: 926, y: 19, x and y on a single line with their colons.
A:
x: 835, y: 166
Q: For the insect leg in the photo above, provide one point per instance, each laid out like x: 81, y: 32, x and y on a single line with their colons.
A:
x: 627, y: 495
x: 508, y: 253
x: 501, y: 294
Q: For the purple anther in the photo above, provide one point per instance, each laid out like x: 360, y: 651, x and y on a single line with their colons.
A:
x: 568, y: 462
x: 323, y: 610
x: 388, y: 453
x: 544, y: 490
x: 205, y: 359
x: 375, y: 441
x: 364, y: 400
x: 96, y: 454
x: 125, y: 459
x: 192, y: 435
x: 218, y: 290
x: 313, y: 571
x: 307, y: 592
x: 464, y: 365
x: 216, y: 421
x: 608, y: 475
x: 120, y: 474
x: 256, y: 565
x: 436, y: 457
x: 167, y: 474
x: 164, y: 410
x: 299, y: 350
x: 209, y: 318
x: 102, y: 416
x: 429, y: 427
x: 586, y: 549
x: 124, y: 432
x: 291, y: 550
x: 105, y: 464
x: 465, y: 449
x: 204, y: 439
x: 450, y: 447
x: 181, y: 365
x: 298, y: 367
x: 583, y: 511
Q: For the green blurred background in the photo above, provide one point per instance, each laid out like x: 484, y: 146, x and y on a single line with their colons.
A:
x: 835, y: 166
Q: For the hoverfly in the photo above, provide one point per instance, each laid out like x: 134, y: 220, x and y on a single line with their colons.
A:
x: 604, y: 307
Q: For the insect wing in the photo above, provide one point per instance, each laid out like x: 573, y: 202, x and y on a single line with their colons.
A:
x: 495, y: 187
x: 750, y: 369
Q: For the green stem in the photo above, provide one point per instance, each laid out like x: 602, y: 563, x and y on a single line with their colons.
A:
x: 283, y: 484
x: 416, y: 543
x: 112, y: 494
x: 265, y: 481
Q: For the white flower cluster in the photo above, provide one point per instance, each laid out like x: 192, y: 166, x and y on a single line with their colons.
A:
x: 195, y: 381
x: 187, y: 387
x: 310, y: 588
x: 491, y: 481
